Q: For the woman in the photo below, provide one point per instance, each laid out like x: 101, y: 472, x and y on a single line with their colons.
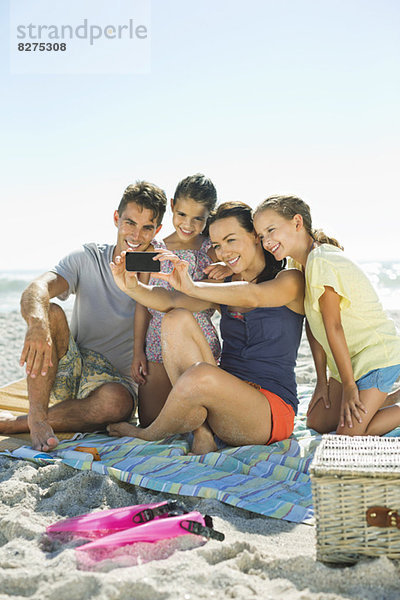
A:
x: 350, y: 333
x: 251, y: 397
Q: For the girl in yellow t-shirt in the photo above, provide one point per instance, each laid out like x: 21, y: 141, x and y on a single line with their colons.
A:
x: 346, y: 326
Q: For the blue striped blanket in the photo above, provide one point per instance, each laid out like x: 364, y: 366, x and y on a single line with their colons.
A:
x: 268, y: 480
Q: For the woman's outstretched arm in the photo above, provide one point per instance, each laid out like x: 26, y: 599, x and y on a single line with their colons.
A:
x: 285, y: 289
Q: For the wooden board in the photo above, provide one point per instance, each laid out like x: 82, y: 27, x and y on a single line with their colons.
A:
x: 14, y: 399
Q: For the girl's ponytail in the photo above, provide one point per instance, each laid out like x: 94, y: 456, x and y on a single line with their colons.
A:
x: 320, y: 236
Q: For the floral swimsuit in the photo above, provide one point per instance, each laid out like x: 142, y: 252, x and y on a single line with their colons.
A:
x: 198, y: 260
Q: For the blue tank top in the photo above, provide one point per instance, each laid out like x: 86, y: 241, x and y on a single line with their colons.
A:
x: 261, y: 346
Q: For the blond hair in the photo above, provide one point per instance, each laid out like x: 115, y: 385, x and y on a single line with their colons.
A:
x: 289, y: 206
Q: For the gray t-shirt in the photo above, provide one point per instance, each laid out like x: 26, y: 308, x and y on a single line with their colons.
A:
x: 102, y: 317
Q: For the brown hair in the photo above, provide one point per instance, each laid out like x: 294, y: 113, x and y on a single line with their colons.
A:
x: 147, y: 195
x: 200, y: 189
x: 244, y: 215
x: 288, y: 207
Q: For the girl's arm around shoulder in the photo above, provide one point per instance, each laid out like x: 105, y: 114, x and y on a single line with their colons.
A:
x: 212, y: 254
x: 216, y: 272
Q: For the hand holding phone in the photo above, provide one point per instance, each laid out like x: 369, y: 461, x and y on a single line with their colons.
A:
x: 142, y: 262
x: 125, y: 280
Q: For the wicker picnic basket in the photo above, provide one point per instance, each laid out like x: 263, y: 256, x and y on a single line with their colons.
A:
x: 356, y: 490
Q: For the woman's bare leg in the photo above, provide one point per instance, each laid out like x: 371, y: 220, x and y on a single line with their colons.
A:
x: 180, y: 354
x: 238, y: 413
x: 183, y: 343
x: 153, y: 394
x: 202, y: 392
x: 203, y: 440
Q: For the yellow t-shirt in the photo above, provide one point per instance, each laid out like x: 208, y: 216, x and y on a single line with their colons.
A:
x: 370, y: 335
x: 292, y: 264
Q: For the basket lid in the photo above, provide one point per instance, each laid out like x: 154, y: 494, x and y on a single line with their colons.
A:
x: 362, y: 455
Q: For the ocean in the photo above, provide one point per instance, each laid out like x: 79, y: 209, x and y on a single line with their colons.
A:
x: 384, y: 275
x: 13, y: 283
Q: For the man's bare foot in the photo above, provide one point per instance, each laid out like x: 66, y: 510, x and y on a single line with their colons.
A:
x: 42, y: 435
x: 203, y: 440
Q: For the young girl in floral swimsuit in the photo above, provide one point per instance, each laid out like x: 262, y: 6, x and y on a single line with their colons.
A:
x: 195, y: 197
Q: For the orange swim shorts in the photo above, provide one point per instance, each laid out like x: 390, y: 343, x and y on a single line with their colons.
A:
x: 282, y: 416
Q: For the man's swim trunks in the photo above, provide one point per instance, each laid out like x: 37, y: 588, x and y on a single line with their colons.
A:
x: 81, y: 371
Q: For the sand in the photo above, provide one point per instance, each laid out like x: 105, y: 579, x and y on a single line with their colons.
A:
x: 260, y: 557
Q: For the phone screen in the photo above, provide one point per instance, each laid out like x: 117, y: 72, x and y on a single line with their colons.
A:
x: 142, y: 262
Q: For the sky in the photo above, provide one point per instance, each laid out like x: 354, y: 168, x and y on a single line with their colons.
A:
x: 264, y: 97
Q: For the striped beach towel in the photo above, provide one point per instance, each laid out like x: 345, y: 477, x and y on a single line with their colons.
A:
x: 267, y: 480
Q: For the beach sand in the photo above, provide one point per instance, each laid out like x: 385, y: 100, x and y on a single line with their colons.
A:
x: 260, y: 558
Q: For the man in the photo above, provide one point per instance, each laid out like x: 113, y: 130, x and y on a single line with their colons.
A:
x: 79, y: 379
